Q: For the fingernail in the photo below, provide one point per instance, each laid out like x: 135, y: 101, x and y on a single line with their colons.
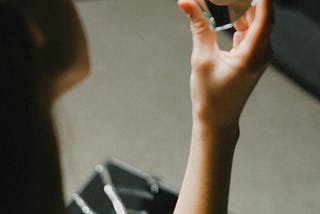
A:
x: 185, y: 7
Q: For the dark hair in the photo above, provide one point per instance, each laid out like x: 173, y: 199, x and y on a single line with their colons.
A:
x: 31, y: 169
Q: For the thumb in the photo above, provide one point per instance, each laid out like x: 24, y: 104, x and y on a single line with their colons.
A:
x: 204, y: 38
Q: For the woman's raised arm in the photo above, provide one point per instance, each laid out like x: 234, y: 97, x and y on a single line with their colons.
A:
x: 220, y: 83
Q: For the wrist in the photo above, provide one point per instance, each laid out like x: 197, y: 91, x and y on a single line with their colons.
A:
x: 207, y: 179
x: 212, y: 134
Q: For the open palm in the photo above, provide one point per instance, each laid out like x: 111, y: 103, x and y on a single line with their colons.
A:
x: 221, y: 81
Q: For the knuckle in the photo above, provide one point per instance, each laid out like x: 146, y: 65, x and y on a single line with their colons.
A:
x: 202, y: 64
x: 199, y: 26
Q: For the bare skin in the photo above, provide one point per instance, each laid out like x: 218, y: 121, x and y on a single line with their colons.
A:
x: 220, y: 83
x: 236, y: 8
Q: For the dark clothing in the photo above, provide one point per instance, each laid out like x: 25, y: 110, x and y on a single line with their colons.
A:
x: 219, y: 13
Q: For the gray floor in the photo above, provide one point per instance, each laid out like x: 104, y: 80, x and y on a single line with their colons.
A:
x: 135, y: 106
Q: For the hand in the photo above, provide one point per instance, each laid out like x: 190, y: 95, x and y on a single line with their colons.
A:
x: 222, y: 81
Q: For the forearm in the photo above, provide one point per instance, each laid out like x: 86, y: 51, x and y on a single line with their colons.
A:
x: 220, y: 84
x: 205, y: 188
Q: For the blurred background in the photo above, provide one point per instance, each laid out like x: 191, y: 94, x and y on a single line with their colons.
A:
x: 136, y: 106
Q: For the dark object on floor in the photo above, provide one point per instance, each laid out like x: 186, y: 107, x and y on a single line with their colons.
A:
x: 296, y: 43
x: 139, y: 191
